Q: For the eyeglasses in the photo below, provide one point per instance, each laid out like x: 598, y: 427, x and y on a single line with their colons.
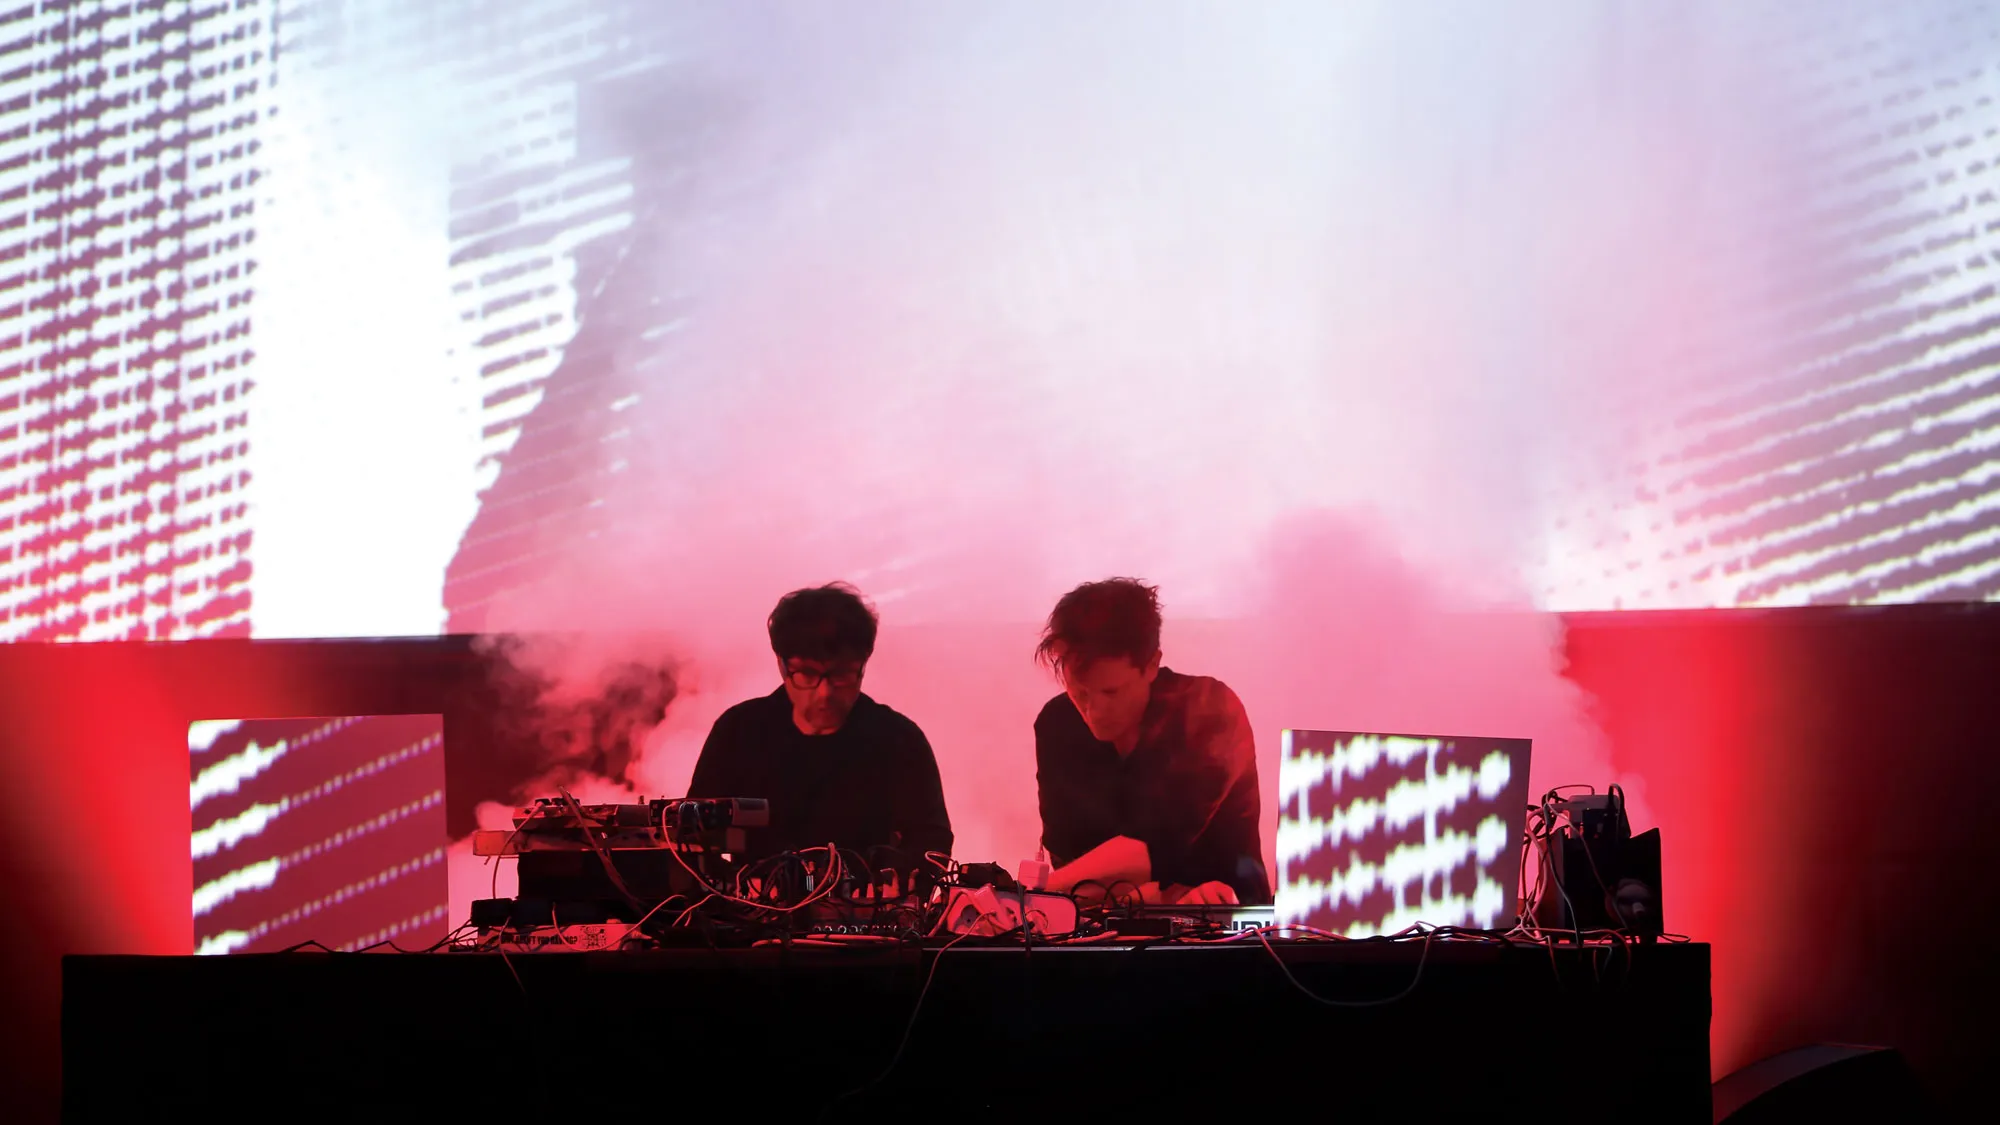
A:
x: 806, y: 679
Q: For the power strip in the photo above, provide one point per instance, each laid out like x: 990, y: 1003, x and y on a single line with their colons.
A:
x: 594, y: 937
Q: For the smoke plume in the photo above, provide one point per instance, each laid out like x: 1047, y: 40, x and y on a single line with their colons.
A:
x: 1313, y: 314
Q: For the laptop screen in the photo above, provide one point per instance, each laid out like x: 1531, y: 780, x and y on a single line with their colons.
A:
x: 1377, y: 831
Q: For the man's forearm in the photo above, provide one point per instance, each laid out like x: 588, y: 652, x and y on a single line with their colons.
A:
x: 1121, y: 859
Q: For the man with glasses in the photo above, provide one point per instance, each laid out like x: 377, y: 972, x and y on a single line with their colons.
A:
x: 836, y: 766
x: 1147, y: 778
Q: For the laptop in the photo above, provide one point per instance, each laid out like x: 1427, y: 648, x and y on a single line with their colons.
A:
x: 1378, y: 831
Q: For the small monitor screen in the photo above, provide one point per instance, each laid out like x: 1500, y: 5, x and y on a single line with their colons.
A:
x: 1379, y: 831
x: 327, y: 829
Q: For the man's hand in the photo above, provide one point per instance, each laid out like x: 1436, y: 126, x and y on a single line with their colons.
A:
x: 1111, y: 864
x: 1211, y: 893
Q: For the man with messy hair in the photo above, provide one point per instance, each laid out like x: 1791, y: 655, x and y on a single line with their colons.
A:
x: 1147, y: 778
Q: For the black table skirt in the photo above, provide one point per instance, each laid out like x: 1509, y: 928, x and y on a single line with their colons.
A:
x: 1487, y: 1033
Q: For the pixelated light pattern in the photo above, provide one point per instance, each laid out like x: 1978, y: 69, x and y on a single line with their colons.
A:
x: 323, y: 829
x: 1379, y: 831
x: 176, y: 179
x: 1865, y: 468
x: 130, y: 160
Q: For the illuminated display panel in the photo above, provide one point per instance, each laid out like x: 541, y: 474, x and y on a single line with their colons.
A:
x: 322, y: 829
x: 354, y: 317
x: 1377, y: 832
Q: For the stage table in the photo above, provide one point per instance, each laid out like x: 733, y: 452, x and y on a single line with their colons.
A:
x: 1483, y: 1033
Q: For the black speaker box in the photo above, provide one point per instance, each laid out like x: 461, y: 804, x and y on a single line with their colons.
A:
x: 1613, y: 883
x: 1824, y: 1082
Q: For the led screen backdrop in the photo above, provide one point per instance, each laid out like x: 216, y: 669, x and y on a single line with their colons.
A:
x: 353, y: 317
x: 323, y: 829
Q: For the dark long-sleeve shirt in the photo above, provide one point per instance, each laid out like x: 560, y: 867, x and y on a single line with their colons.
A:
x: 1188, y: 790
x: 874, y: 782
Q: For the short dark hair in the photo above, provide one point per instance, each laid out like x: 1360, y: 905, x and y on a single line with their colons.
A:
x: 823, y: 623
x: 1114, y: 617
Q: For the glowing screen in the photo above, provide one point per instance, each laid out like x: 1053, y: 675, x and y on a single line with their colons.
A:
x: 389, y: 317
x: 1378, y: 831
x: 329, y: 829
